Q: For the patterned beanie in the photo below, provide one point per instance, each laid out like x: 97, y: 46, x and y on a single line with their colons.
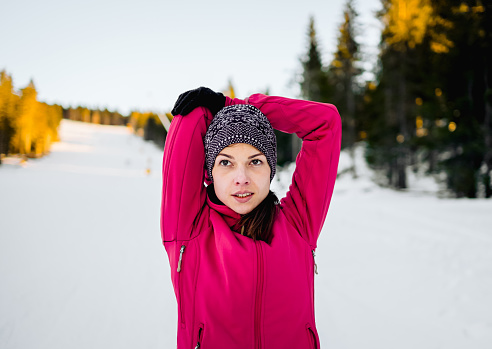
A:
x: 240, y: 123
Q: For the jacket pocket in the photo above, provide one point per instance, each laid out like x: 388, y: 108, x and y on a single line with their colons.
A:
x: 313, y: 341
x: 199, y: 336
x: 314, y: 261
x: 179, y: 271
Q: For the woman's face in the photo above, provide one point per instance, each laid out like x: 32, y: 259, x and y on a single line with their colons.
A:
x: 241, y: 177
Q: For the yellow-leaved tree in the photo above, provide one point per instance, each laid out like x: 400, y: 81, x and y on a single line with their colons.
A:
x: 8, y: 105
x: 24, y: 122
x: 407, y: 22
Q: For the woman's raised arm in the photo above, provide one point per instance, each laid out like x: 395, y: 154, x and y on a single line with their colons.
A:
x: 183, y: 191
x: 319, y: 126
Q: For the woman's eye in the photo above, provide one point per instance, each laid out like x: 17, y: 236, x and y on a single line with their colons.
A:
x: 256, y: 162
x: 224, y: 162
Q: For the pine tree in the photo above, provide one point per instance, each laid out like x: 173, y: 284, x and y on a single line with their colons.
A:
x: 465, y: 74
x: 344, y: 71
x: 314, y: 79
x: 410, y: 28
x: 406, y: 23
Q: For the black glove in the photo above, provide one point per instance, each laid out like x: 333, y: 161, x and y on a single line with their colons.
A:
x: 200, y: 97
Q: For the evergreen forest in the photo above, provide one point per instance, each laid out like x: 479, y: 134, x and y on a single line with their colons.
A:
x: 429, y: 106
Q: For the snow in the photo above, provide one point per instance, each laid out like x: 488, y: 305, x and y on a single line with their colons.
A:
x: 82, y: 264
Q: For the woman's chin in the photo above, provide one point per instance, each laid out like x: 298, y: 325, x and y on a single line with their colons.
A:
x: 241, y: 208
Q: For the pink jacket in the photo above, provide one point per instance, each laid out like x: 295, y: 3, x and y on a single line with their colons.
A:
x: 233, y: 292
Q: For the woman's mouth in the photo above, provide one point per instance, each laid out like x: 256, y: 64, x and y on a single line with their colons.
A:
x: 243, y: 195
x: 242, y: 198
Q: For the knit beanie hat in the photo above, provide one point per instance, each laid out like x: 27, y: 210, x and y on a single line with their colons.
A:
x: 240, y: 123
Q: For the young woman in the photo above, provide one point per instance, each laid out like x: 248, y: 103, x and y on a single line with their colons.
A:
x: 242, y: 263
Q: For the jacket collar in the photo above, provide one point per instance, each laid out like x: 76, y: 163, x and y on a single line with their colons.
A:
x: 230, y: 217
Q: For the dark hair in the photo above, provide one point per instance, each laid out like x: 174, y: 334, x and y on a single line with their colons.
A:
x: 258, y: 223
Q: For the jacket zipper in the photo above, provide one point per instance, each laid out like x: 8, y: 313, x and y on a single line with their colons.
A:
x: 315, y: 265
x: 181, y: 250
x: 259, y: 294
x: 180, y: 287
x: 199, y: 340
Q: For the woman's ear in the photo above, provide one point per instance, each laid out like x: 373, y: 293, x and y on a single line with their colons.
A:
x: 207, y: 179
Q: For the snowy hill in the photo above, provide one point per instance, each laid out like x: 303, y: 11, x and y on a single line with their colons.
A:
x: 82, y: 265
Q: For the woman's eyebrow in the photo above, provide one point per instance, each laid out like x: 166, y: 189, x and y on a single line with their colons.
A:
x: 227, y: 156
x: 252, y: 156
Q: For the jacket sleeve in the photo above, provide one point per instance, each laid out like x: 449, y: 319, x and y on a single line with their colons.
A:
x: 183, y: 190
x: 319, y: 126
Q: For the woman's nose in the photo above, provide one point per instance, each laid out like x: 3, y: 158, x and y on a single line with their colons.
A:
x: 241, y: 177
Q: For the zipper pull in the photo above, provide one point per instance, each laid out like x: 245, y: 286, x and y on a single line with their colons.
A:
x: 199, y: 338
x: 315, y: 265
x: 180, y: 257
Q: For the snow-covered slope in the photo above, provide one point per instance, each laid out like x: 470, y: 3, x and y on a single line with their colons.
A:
x: 82, y: 265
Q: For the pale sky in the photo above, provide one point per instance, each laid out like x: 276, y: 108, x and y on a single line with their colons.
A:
x: 141, y: 55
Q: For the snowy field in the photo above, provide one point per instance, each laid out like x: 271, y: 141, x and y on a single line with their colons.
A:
x: 82, y: 264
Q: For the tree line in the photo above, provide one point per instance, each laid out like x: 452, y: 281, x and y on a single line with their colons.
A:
x: 145, y: 124
x: 27, y: 126
x: 429, y: 107
x: 148, y: 125
x: 95, y: 116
